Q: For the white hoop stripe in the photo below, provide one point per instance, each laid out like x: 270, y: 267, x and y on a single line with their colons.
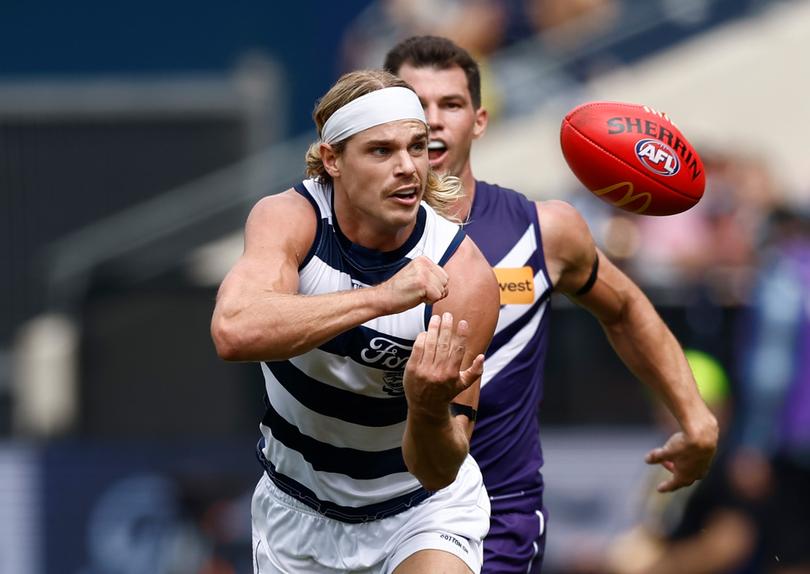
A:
x: 372, y: 109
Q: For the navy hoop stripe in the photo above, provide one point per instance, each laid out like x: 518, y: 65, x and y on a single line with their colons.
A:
x: 350, y: 514
x: 338, y: 403
x: 371, y: 348
x: 362, y: 465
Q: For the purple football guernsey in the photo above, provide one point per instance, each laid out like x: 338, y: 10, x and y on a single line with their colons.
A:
x: 794, y: 426
x: 504, y: 225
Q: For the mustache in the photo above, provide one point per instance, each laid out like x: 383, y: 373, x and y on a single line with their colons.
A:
x: 415, y: 182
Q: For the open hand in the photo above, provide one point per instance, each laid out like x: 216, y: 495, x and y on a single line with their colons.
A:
x: 433, y: 375
x: 687, y: 460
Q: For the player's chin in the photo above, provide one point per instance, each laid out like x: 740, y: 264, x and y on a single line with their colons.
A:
x: 400, y: 213
x: 438, y: 164
x: 440, y: 170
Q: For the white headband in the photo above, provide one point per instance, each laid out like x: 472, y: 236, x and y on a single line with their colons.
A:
x: 375, y: 108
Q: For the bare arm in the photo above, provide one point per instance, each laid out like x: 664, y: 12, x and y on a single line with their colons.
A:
x: 638, y: 334
x: 446, y: 366
x: 724, y: 544
x: 260, y: 315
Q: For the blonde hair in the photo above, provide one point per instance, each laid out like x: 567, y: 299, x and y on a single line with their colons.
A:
x: 441, y: 192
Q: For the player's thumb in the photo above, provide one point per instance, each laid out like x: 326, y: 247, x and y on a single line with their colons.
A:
x: 657, y: 455
x: 472, y: 373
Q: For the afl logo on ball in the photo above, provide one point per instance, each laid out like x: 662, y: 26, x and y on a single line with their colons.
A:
x: 658, y: 157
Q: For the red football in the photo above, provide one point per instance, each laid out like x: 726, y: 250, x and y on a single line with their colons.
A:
x: 632, y: 157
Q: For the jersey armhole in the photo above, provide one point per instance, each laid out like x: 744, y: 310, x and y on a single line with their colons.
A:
x: 302, y: 190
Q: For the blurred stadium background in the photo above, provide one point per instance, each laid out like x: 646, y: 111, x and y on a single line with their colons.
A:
x: 135, y: 137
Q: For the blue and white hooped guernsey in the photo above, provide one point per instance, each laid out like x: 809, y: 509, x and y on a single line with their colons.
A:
x: 332, y: 431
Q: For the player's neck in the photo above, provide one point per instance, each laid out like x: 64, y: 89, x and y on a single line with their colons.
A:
x: 371, y: 234
x: 461, y: 209
x: 362, y: 229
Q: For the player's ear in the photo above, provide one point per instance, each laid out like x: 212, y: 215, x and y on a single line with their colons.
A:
x: 330, y: 160
x: 481, y: 120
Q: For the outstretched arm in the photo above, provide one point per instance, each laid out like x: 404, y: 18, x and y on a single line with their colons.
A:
x: 259, y: 313
x: 724, y: 543
x: 638, y: 334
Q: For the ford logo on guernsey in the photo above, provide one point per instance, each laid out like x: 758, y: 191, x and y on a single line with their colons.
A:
x: 658, y: 157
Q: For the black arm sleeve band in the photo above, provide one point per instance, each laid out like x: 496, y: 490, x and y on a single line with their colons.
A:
x: 591, y: 278
x: 458, y: 409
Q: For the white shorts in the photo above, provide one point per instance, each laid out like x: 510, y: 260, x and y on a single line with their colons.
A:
x: 289, y: 537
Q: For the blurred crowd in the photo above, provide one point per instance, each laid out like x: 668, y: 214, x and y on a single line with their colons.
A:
x: 745, y: 247
x: 480, y: 26
x: 555, y: 28
x: 711, y: 250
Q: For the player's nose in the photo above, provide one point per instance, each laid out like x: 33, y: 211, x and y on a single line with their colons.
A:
x: 405, y: 163
x: 433, y: 116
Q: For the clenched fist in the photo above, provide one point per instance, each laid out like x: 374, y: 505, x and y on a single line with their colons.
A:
x: 420, y: 281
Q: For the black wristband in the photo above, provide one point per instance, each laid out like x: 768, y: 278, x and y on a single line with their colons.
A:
x: 591, y: 278
x: 457, y: 409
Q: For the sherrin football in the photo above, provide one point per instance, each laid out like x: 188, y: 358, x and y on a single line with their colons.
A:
x: 632, y: 157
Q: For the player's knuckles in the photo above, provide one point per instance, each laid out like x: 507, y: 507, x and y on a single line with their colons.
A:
x: 433, y: 294
x: 424, y: 262
x: 411, y: 372
x: 438, y: 374
x: 434, y: 283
